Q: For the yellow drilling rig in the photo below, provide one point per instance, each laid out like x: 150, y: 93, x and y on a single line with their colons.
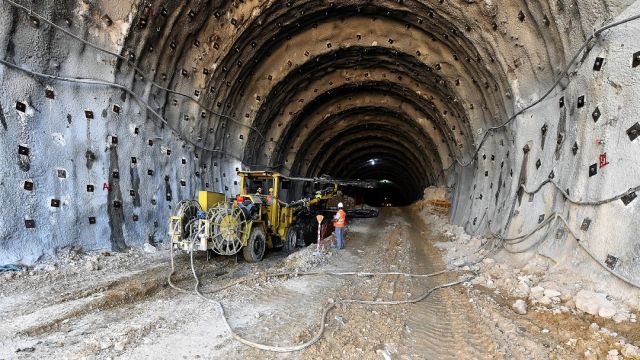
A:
x: 250, y: 223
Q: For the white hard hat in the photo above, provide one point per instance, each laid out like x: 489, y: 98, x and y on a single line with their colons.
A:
x: 340, y: 205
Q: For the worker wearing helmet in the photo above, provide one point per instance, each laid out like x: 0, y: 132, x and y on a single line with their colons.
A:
x: 270, y: 197
x: 339, y: 222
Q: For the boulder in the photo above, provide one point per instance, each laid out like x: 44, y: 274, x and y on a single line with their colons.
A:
x: 490, y: 284
x: 607, y: 311
x: 458, y: 263
x: 536, y: 293
x: 522, y: 290
x: 520, y: 307
x: 613, y: 355
x: 621, y: 316
x: 148, y: 248
x: 551, y: 293
x: 545, y: 301
x: 92, y: 265
x: 587, y: 301
x: 566, y: 296
x: 630, y: 351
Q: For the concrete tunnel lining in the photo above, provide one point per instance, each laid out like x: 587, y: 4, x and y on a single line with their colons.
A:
x: 478, y: 43
x: 360, y: 137
x: 364, y: 96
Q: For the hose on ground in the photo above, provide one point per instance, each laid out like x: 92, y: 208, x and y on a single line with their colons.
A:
x: 326, y: 309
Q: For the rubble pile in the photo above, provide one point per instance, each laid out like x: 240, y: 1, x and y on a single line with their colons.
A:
x: 74, y: 260
x: 308, y: 258
x: 535, y: 285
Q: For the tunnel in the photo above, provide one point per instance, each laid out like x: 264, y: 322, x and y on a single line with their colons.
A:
x: 525, y: 112
x: 496, y: 141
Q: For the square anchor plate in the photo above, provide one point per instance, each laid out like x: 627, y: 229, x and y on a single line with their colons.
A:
x: 596, y: 114
x: 23, y: 150
x: 597, y: 65
x: 634, y: 131
x: 593, y: 170
x: 627, y: 199
x: 611, y: 262
x: 636, y: 59
x: 20, y: 106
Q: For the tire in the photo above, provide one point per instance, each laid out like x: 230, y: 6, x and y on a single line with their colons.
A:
x: 254, y: 251
x: 291, y: 240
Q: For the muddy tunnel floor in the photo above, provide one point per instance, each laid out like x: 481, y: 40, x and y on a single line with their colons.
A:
x: 128, y: 311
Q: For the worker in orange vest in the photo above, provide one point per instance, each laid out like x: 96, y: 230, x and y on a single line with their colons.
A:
x: 339, y: 222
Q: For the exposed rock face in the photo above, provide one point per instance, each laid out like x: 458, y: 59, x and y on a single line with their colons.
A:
x: 396, y: 91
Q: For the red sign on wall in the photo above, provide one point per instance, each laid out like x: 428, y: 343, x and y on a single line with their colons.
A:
x: 603, y: 160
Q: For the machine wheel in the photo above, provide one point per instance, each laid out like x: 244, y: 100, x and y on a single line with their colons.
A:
x: 291, y: 240
x: 254, y: 251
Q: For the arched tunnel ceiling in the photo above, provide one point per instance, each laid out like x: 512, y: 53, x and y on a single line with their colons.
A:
x: 408, y: 91
x: 408, y: 45
x: 305, y: 74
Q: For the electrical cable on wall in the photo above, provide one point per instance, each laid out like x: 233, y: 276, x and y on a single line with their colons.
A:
x: 121, y: 87
x: 565, y: 72
x: 133, y: 65
x: 547, y: 221
x: 577, y: 202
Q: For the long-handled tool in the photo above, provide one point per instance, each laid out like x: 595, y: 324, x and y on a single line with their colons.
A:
x: 320, y: 245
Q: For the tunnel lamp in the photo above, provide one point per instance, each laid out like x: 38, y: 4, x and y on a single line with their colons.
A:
x: 372, y: 162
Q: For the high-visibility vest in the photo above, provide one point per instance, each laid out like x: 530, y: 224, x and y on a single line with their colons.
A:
x: 341, y: 218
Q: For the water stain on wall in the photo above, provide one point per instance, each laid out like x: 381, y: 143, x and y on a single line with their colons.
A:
x: 115, y: 206
x: 3, y: 120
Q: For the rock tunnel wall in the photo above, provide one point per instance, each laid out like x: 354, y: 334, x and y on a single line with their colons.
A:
x: 111, y: 112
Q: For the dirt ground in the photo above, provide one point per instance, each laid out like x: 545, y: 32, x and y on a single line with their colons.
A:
x: 107, y: 306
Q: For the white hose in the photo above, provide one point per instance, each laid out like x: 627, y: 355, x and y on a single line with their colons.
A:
x: 325, y: 310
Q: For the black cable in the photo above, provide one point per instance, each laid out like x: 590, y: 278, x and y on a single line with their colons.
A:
x: 121, y: 87
x: 546, y: 94
x: 576, y: 202
x: 134, y: 66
